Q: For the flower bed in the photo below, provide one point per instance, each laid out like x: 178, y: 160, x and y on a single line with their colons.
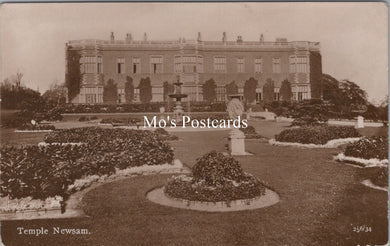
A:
x: 367, y: 152
x: 47, y: 171
x: 369, y: 148
x: 319, y: 135
x: 125, y: 121
x: 215, y: 178
x: 8, y: 205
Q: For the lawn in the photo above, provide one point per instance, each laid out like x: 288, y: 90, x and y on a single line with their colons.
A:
x: 321, y: 203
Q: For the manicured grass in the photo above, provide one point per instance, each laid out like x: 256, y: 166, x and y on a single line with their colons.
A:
x: 321, y: 201
x: 9, y: 137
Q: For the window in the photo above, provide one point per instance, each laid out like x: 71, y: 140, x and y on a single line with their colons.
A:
x: 177, y: 67
x: 121, y: 96
x: 292, y: 64
x: 219, y: 64
x: 156, y: 63
x: 221, y: 93
x: 136, y: 65
x: 99, y: 64
x: 240, y: 65
x: 299, y: 64
x: 276, y: 67
x: 120, y: 65
x: 258, y: 65
x: 300, y: 96
x: 200, y: 64
x: 189, y: 64
x: 89, y: 63
x: 302, y: 64
x: 276, y: 94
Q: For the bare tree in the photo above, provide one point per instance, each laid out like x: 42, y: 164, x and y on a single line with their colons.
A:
x: 18, y: 79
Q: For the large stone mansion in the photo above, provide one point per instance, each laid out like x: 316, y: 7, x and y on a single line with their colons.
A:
x: 196, y: 61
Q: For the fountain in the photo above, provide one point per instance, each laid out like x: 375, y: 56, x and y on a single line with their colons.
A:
x: 178, y: 110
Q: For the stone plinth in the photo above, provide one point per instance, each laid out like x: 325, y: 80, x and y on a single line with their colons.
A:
x: 360, y: 122
x: 237, y: 142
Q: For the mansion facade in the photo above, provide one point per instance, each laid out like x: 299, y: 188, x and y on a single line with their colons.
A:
x: 194, y: 62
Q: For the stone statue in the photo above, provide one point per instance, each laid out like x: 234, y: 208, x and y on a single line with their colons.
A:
x: 236, y: 137
x: 235, y: 108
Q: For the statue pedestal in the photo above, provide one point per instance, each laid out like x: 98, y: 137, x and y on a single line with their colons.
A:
x: 360, y: 122
x: 237, y: 142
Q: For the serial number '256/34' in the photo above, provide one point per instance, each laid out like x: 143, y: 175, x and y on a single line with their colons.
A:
x: 362, y: 228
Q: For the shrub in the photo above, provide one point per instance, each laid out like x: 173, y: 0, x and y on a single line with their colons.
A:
x: 369, y: 147
x: 316, y: 134
x: 215, y: 177
x: 216, y: 168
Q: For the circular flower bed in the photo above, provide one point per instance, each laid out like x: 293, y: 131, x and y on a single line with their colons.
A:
x: 215, y: 177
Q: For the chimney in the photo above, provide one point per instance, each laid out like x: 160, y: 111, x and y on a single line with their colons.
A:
x: 129, y: 38
x: 261, y: 38
x: 199, y: 37
x: 239, y: 39
x: 224, y: 37
x: 112, y: 38
x: 145, y: 37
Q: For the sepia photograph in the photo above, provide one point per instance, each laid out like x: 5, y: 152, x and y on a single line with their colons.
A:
x: 194, y: 123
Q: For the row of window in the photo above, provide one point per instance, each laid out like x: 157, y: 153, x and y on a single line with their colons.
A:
x: 192, y: 64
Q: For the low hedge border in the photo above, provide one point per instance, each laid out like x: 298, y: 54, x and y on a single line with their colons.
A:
x: 330, y: 144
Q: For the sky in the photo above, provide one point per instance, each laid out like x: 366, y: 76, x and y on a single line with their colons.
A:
x: 353, y: 36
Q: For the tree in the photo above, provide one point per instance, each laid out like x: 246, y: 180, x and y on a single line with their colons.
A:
x: 14, y: 97
x: 18, y: 79
x: 353, y: 94
x: 231, y: 88
x: 110, y: 92
x: 344, y: 95
x: 330, y: 89
x: 285, y: 91
x: 55, y: 95
x: 167, y: 89
x: 145, y: 90
x: 73, y: 74
x: 209, y: 91
x: 268, y: 91
x: 250, y: 90
x: 129, y: 90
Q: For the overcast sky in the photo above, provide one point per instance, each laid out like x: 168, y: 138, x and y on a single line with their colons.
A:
x: 353, y: 36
